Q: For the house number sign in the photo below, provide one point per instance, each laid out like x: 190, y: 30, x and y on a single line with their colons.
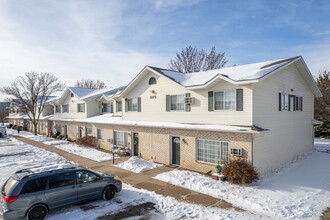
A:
x: 153, y: 97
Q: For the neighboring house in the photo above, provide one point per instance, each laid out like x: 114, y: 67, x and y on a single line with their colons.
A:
x: 4, y: 111
x: 262, y: 112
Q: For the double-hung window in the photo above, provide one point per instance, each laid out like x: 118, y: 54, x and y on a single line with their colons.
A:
x: 177, y: 102
x: 118, y: 106
x: 211, y: 151
x: 225, y: 100
x: 107, y: 108
x: 65, y: 108
x: 57, y: 109
x: 132, y: 104
x: 100, y: 134
x: 89, y: 131
x: 81, y: 107
x: 120, y: 138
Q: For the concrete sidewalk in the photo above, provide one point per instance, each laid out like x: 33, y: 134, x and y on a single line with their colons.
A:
x: 138, y: 180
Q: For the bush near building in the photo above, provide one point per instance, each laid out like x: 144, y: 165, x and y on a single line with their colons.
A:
x: 240, y: 171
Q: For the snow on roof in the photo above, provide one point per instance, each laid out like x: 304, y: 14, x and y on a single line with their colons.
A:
x: 237, y: 73
x: 84, y: 93
x: 109, y: 119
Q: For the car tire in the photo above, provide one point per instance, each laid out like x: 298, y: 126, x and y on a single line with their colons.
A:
x: 37, y: 212
x: 108, y: 192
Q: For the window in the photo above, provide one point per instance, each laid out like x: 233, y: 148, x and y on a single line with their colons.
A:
x: 89, y: 131
x: 152, y: 80
x: 60, y: 180
x: 118, y: 106
x: 225, y: 100
x: 107, y: 107
x: 81, y: 107
x: 120, y: 138
x: 100, y: 134
x: 58, y: 128
x: 212, y: 151
x: 177, y: 102
x: 57, y: 109
x: 65, y: 108
x: 285, y: 101
x: 34, y: 185
x: 85, y: 176
x: 132, y: 104
x: 43, y: 127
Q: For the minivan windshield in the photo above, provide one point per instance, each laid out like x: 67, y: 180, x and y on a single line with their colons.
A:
x: 8, y: 186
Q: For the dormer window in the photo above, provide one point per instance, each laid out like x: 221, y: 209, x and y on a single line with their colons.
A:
x: 152, y: 80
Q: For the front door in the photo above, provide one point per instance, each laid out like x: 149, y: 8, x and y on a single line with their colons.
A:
x: 176, y: 150
x: 136, y: 144
x: 79, y: 132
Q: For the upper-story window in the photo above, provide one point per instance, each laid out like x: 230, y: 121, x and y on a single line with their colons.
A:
x: 177, y: 102
x: 152, y: 80
x: 65, y: 108
x: 107, y: 107
x: 225, y: 100
x: 290, y: 102
x: 118, y: 106
x: 57, y: 109
x: 81, y: 107
x: 132, y: 104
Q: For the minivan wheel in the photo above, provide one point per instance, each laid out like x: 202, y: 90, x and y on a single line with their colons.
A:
x: 37, y: 212
x: 108, y: 192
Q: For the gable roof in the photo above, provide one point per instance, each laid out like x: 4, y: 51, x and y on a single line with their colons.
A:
x: 244, y: 74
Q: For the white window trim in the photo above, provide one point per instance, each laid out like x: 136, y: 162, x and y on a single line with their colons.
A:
x: 67, y: 110
x: 283, y: 101
x: 196, y: 150
x: 79, y: 110
x: 98, y: 134
x: 87, y: 131
x: 224, y: 100
x: 116, y: 138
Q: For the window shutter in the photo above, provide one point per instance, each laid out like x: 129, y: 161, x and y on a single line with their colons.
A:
x: 279, y: 101
x: 289, y: 102
x: 126, y: 105
x: 188, y: 106
x: 168, y: 103
x: 239, y: 99
x: 139, y: 104
x: 301, y: 103
x: 210, y: 94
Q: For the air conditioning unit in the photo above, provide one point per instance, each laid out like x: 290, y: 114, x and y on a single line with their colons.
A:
x: 189, y: 100
x: 236, y: 151
x: 110, y: 141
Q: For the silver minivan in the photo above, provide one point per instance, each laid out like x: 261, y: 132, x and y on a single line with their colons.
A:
x: 32, y: 193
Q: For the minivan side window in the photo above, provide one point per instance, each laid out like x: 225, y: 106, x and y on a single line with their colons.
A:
x: 34, y: 185
x: 62, y: 179
x: 85, y: 176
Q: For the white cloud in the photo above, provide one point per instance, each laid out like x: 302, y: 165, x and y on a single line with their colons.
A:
x: 172, y: 4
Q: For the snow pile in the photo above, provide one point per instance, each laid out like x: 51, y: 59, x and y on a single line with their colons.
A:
x: 56, y: 142
x: 300, y: 190
x: 137, y: 165
x: 87, y: 152
x: 322, y: 145
x: 9, y: 146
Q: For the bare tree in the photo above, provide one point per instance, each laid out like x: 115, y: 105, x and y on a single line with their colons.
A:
x: 3, y: 114
x: 322, y: 104
x: 33, y: 91
x: 193, y: 60
x: 90, y: 83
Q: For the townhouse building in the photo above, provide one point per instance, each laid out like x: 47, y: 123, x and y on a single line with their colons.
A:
x: 262, y: 112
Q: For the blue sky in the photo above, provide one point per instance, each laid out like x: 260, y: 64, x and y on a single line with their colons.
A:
x: 114, y: 40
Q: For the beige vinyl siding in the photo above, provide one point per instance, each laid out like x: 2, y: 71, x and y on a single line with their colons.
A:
x: 290, y: 133
x: 73, y: 108
x: 153, y: 105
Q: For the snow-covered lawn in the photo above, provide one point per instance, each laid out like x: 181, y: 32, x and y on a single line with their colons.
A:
x: 299, y: 190
x: 137, y: 165
x: 322, y: 145
x: 87, y: 152
x: 129, y: 202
